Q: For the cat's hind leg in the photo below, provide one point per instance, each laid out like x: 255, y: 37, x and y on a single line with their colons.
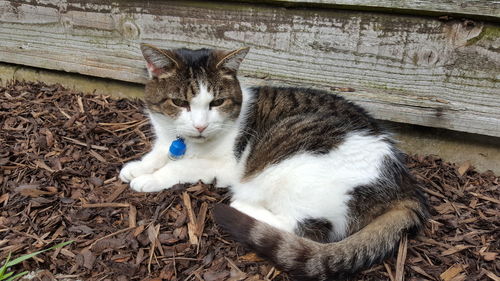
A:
x: 262, y: 214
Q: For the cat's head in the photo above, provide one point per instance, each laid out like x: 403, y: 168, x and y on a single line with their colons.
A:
x: 197, y: 89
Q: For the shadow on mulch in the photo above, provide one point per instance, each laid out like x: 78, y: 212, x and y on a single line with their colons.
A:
x: 61, y: 153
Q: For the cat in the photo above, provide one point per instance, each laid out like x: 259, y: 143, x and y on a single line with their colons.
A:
x: 318, y: 186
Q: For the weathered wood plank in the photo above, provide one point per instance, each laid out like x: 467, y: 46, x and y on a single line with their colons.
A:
x: 488, y: 8
x: 405, y: 69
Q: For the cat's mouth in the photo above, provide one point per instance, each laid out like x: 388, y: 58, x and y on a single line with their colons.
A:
x: 198, y: 138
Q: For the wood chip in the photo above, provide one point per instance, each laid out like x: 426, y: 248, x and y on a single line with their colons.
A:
x: 106, y: 205
x: 489, y: 256
x: 132, y: 216
x: 250, y: 257
x: 97, y: 156
x: 487, y: 198
x: 236, y: 273
x: 4, y: 198
x: 192, y: 229
x: 464, y: 167
x: 451, y: 272
x: 400, y: 262
x: 389, y: 271
x: 119, y: 190
x: 421, y: 271
x: 491, y: 275
x: 455, y: 249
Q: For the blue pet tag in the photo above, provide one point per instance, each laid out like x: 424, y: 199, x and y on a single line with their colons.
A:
x: 177, y: 149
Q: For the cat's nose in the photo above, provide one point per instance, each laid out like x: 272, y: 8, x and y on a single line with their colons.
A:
x: 201, y: 128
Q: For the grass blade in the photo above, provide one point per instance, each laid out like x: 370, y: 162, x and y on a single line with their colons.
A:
x: 3, y: 277
x: 17, y: 276
x: 28, y: 256
x: 4, y: 267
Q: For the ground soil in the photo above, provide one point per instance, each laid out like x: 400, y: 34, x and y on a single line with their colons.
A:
x: 60, y: 155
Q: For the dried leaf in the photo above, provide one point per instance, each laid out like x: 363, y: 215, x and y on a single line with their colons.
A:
x: 152, y: 232
x: 250, y: 257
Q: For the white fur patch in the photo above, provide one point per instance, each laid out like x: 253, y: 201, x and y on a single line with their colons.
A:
x: 200, y: 107
x: 206, y: 160
x: 262, y: 214
x: 317, y: 186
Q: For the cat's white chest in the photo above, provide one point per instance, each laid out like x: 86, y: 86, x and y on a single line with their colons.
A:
x: 220, y: 149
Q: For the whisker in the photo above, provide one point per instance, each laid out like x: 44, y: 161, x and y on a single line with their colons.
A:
x: 251, y: 132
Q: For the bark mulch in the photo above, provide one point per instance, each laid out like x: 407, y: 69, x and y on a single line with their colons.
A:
x: 60, y: 155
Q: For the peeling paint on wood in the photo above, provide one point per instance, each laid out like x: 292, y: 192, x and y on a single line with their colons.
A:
x: 406, y: 69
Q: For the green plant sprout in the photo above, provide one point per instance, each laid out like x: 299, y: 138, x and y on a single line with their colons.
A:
x: 7, y: 276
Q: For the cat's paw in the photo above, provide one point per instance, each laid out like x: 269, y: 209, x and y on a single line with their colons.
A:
x: 147, y: 183
x: 133, y: 170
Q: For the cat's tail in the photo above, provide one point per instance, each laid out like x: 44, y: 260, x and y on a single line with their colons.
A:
x: 304, y: 259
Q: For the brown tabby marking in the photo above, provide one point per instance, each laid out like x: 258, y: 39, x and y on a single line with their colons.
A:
x: 181, y: 77
x: 296, y: 120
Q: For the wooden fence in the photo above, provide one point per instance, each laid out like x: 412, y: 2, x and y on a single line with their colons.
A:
x: 416, y: 61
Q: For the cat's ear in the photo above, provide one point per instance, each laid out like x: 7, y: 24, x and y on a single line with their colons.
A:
x: 231, y: 60
x: 158, y: 61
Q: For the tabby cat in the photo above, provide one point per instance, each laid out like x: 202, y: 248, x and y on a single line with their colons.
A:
x: 318, y: 187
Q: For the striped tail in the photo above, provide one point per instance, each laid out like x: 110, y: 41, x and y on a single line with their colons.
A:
x: 304, y: 259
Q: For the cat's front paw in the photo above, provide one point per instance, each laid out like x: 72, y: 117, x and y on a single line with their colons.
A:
x: 133, y: 170
x: 147, y: 183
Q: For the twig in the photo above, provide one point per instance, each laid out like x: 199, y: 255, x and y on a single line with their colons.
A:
x: 106, y: 205
x: 110, y: 180
x: 193, y: 239
x: 98, y: 147
x: 400, y: 263
x: 110, y: 235
x: 117, y: 192
x: 491, y: 275
x: 389, y: 272
x: 40, y: 240
x: 485, y: 197
x: 432, y: 192
x: 153, y: 238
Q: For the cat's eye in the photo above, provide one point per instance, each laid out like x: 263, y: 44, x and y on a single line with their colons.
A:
x: 180, y: 103
x: 217, y: 102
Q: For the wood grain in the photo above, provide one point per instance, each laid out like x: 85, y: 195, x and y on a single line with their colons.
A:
x: 489, y: 8
x: 404, y: 69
